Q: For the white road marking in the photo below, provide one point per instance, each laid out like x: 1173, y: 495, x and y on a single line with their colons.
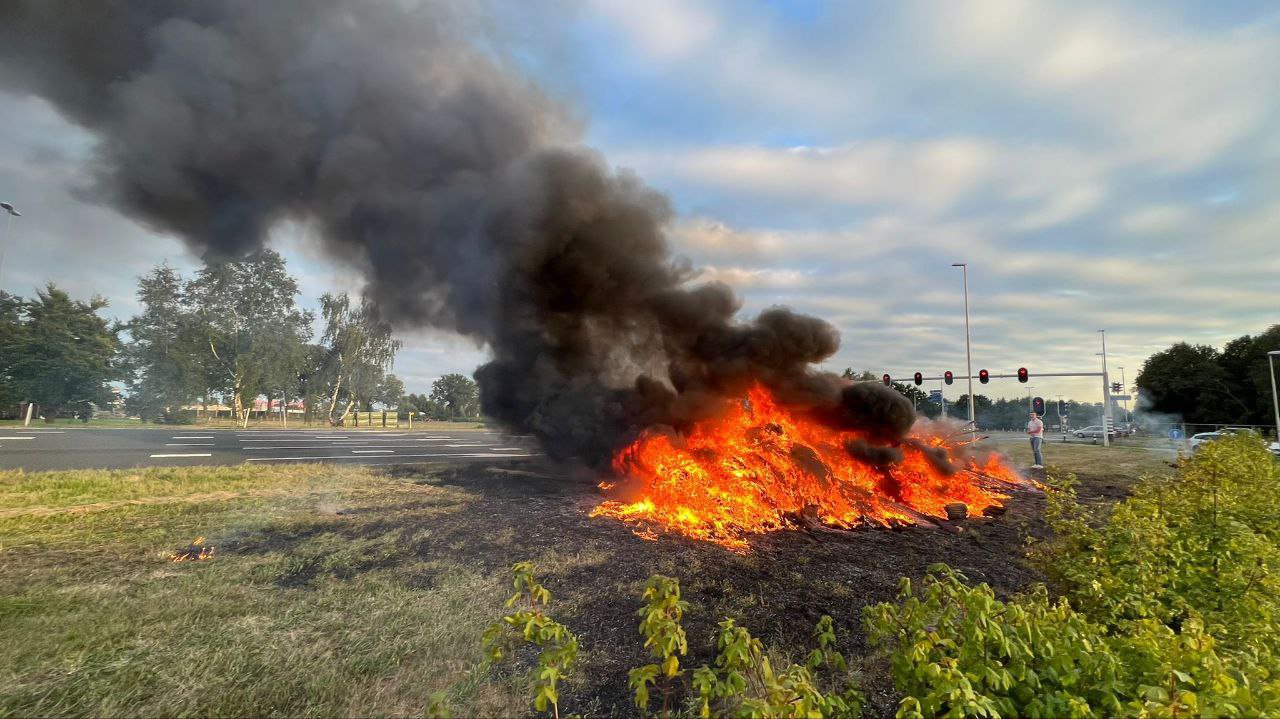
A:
x: 164, y: 456
x: 16, y: 437
x: 194, y: 436
x: 373, y: 451
x: 465, y: 445
x: 328, y: 437
x: 188, y: 444
x: 506, y: 449
x: 440, y: 456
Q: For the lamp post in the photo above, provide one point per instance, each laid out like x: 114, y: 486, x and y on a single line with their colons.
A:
x: 968, y: 355
x: 1106, y: 394
x: 1275, y: 403
x: 10, y: 213
x: 1030, y: 406
x: 1124, y: 392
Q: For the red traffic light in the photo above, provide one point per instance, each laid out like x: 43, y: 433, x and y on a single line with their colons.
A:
x: 1022, y: 374
x: 984, y: 376
x: 888, y: 382
x: 947, y: 377
x: 1037, y: 406
x: 919, y: 379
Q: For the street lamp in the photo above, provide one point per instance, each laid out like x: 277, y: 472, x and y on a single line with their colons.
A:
x: 1106, y: 394
x: 1275, y: 403
x: 10, y: 213
x: 968, y: 356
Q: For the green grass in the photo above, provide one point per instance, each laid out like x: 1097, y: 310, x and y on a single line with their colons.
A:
x: 305, y: 611
x: 1123, y: 461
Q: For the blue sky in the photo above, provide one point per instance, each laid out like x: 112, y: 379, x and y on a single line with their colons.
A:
x: 1098, y: 165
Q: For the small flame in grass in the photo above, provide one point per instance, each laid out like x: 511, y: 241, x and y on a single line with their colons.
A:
x: 762, y: 468
x: 194, y: 552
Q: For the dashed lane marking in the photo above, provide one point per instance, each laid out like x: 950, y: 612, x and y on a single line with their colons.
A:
x: 167, y: 456
x: 398, y: 456
x: 188, y: 444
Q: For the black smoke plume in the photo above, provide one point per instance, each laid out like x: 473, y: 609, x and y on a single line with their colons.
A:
x: 458, y: 188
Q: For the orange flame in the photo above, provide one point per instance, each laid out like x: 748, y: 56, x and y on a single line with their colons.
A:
x: 194, y: 552
x: 762, y: 468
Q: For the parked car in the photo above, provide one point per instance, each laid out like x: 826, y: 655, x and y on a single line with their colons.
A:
x: 1198, y: 440
x: 1275, y: 448
x: 1094, y: 432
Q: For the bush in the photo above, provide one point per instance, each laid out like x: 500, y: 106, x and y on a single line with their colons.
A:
x: 1169, y: 608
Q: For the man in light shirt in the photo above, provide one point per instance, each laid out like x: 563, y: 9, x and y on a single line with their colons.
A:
x: 1035, y: 428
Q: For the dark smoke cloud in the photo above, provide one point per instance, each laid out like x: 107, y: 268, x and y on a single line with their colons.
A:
x: 449, y: 180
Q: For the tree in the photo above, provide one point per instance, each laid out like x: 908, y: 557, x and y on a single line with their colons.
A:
x: 1246, y: 374
x: 863, y: 376
x: 164, y: 356
x: 424, y: 405
x: 62, y: 354
x: 1189, y: 381
x: 250, y: 326
x: 458, y: 393
x: 390, y: 391
x: 10, y: 327
x: 360, y: 349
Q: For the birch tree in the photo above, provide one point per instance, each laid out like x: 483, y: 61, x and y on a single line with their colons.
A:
x: 360, y: 350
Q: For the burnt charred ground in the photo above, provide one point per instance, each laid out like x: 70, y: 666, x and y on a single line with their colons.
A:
x: 362, y: 591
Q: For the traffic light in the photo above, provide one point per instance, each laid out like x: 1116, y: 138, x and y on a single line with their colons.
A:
x: 946, y: 377
x: 1022, y: 374
x: 984, y: 376
x: 1037, y: 406
x: 888, y: 381
x: 1115, y: 388
x: 919, y: 379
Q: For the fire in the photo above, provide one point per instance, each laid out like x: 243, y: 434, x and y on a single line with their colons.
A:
x: 194, y: 552
x: 762, y: 468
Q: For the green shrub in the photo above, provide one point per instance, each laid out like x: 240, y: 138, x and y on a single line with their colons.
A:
x: 1170, y: 607
x: 743, y: 683
x: 663, y: 637
x: 958, y: 651
x: 529, y: 625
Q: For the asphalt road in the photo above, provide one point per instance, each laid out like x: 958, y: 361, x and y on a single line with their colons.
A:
x: 36, y: 449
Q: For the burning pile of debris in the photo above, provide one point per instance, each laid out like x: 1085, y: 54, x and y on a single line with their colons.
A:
x: 763, y: 467
x: 194, y: 552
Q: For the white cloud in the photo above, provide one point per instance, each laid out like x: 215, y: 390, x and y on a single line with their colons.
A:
x: 1155, y: 219
x: 663, y: 30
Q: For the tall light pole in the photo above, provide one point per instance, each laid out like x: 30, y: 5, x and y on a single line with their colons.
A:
x: 1030, y: 406
x: 968, y: 355
x: 10, y: 213
x: 1275, y: 403
x: 1106, y: 394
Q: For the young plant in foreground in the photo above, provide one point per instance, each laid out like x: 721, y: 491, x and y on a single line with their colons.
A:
x: 743, y: 682
x: 663, y: 637
x: 529, y: 625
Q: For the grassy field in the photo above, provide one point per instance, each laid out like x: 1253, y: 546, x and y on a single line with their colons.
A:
x: 349, y: 591
x: 292, y: 615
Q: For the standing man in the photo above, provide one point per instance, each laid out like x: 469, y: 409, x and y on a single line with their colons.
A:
x: 1035, y: 429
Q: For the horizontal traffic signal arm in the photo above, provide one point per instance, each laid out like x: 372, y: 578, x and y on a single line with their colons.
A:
x: 1014, y: 375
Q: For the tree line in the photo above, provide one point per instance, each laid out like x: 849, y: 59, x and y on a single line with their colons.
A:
x: 229, y: 334
x: 1203, y: 385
